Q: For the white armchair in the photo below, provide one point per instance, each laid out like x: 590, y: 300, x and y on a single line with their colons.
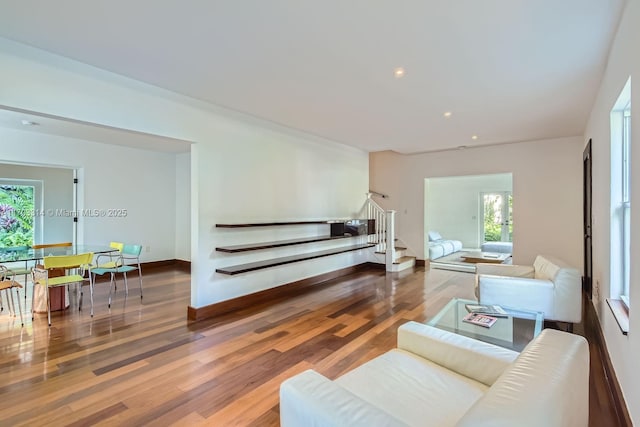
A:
x: 438, y: 378
x: 549, y: 286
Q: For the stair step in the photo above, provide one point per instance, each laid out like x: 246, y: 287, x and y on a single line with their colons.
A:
x: 404, y: 259
x: 398, y: 248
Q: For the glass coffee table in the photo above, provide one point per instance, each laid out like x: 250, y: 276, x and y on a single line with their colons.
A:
x: 513, y: 332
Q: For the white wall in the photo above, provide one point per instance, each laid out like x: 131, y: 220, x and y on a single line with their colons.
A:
x: 111, y: 177
x: 624, y: 62
x: 547, y: 192
x: 57, y: 189
x: 183, y: 206
x: 251, y: 175
x: 453, y: 206
x: 241, y: 168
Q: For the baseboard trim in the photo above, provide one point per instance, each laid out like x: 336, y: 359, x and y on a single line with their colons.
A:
x: 420, y: 263
x: 373, y: 265
x: 155, y: 265
x: 183, y: 265
x: 592, y: 325
x: 270, y: 295
x: 173, y: 263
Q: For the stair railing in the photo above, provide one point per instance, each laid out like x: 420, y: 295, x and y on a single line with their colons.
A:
x: 373, y: 211
x: 384, y: 236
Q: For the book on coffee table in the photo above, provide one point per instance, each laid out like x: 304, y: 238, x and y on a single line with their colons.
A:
x: 480, y: 319
x: 490, y: 310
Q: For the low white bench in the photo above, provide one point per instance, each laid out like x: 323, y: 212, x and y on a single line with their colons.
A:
x: 500, y: 247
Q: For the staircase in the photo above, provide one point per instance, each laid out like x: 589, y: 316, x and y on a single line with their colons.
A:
x: 393, y: 256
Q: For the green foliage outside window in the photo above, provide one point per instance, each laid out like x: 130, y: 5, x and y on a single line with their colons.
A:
x: 493, y: 221
x: 16, y: 215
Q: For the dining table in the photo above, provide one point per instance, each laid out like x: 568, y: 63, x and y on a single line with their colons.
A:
x: 59, y: 297
x: 26, y: 254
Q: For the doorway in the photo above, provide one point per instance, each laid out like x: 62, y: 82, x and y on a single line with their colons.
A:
x: 497, y: 216
x: 455, y: 208
x: 586, y: 217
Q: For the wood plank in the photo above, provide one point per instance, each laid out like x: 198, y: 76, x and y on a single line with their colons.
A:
x: 277, y: 244
x: 274, y: 262
x: 271, y: 224
x: 144, y: 363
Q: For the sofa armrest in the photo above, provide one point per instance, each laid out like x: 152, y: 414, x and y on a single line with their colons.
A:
x: 548, y: 385
x: 518, y: 293
x: 474, y: 359
x: 505, y: 270
x: 310, y: 399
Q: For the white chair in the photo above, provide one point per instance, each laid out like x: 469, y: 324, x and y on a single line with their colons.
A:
x: 549, y: 285
x: 438, y: 378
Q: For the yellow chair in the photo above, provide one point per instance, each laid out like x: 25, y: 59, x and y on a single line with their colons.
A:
x: 74, y: 266
x: 8, y: 282
x: 25, y: 271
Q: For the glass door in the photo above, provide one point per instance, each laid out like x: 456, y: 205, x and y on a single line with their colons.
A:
x: 497, y: 216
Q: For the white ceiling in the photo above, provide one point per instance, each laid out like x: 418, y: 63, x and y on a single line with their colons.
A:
x: 509, y: 70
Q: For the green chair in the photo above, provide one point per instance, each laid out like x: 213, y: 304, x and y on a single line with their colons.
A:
x: 127, y: 261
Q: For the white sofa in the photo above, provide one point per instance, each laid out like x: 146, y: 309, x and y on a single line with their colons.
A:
x: 549, y: 286
x: 437, y: 378
x: 439, y: 247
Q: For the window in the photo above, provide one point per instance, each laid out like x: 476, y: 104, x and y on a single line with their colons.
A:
x: 20, y: 222
x: 621, y: 196
x: 626, y: 204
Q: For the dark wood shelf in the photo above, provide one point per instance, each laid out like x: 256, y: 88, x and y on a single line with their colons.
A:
x: 271, y: 224
x: 259, y: 265
x: 276, y: 244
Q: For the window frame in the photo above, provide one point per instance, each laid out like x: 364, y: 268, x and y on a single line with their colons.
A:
x: 625, y: 204
x: 620, y: 204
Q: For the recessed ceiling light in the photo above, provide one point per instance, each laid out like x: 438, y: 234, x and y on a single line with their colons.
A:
x: 29, y: 123
x: 447, y: 114
x: 399, y: 73
x: 474, y: 137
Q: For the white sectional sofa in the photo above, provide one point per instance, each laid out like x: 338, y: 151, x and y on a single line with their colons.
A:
x: 437, y: 378
x: 439, y: 247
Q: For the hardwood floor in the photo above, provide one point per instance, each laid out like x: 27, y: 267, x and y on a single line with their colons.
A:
x: 143, y: 363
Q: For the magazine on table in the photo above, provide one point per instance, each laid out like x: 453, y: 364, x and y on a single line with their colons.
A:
x: 480, y: 319
x: 490, y: 310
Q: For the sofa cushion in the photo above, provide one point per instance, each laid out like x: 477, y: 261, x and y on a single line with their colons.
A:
x: 544, y: 268
x: 311, y: 400
x: 434, y: 236
x: 441, y: 248
x: 436, y: 251
x: 474, y: 359
x: 411, y: 388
